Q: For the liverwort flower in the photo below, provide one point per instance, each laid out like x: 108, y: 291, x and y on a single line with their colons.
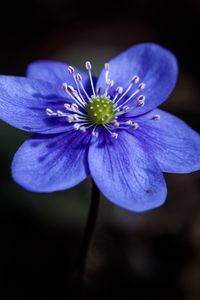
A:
x: 109, y: 128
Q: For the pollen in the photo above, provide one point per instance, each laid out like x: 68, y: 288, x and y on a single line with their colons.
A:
x: 101, y: 110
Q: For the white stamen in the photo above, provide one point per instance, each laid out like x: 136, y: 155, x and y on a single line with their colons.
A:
x: 109, y: 83
x: 50, y: 112
x: 99, y: 91
x: 94, y: 132
x: 135, y: 125
x: 127, y: 100
x: 106, y: 66
x: 64, y: 86
x: 70, y: 89
x: 67, y: 106
x: 71, y: 70
x: 156, y: 118
x: 89, y: 67
x: 114, y: 135
x: 76, y: 117
x: 78, y: 77
x: 141, y: 100
x: 86, y: 94
x: 107, y: 69
x: 70, y: 119
x: 129, y: 122
x: 115, y: 123
x: 61, y: 114
x: 76, y: 126
x: 74, y: 95
x: 126, y: 108
x: 74, y: 107
x: 135, y: 79
x: 82, y: 128
x: 142, y: 86
x: 119, y: 90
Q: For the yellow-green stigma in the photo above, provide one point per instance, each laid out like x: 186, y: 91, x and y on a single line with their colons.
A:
x: 101, y: 110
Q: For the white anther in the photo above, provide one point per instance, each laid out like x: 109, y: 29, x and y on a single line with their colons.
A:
x: 70, y: 89
x: 95, y: 133
x: 129, y: 122
x: 74, y: 107
x: 135, y: 125
x: 76, y: 126
x: 71, y: 70
x: 115, y: 123
x: 49, y: 112
x: 75, y: 117
x: 141, y: 100
x: 67, y: 106
x: 119, y: 90
x: 91, y: 107
x: 114, y: 135
x: 135, y: 79
x: 88, y: 65
x: 70, y: 119
x: 110, y: 83
x: 78, y: 77
x: 104, y: 105
x: 60, y: 113
x: 142, y: 86
x: 126, y: 108
x: 82, y: 128
x: 156, y: 118
x: 100, y: 110
x: 106, y: 66
x: 99, y: 90
x: 64, y: 86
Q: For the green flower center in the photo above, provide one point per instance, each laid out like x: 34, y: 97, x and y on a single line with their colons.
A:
x: 101, y: 110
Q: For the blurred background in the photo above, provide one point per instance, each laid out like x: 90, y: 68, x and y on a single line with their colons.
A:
x: 154, y: 254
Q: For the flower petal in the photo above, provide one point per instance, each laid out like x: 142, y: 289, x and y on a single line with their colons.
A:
x: 125, y: 173
x: 174, y: 144
x: 23, y: 104
x: 47, y: 163
x: 156, y: 67
x: 56, y: 73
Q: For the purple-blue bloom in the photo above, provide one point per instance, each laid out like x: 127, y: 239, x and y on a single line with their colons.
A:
x: 109, y: 128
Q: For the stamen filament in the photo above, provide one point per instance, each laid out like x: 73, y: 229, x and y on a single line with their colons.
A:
x: 89, y: 67
x: 127, y: 100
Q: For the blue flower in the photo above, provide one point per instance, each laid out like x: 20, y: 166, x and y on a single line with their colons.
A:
x: 108, y: 127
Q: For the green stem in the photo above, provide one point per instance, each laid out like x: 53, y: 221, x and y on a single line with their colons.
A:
x: 88, y: 233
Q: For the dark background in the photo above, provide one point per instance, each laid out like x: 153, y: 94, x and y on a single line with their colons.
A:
x: 154, y: 254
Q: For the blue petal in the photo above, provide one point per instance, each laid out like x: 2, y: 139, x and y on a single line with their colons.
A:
x: 57, y: 73
x: 174, y: 144
x: 23, y: 104
x: 125, y: 173
x: 51, y: 163
x: 156, y: 67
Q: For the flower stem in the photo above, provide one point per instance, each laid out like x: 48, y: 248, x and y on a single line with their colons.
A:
x: 88, y: 233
